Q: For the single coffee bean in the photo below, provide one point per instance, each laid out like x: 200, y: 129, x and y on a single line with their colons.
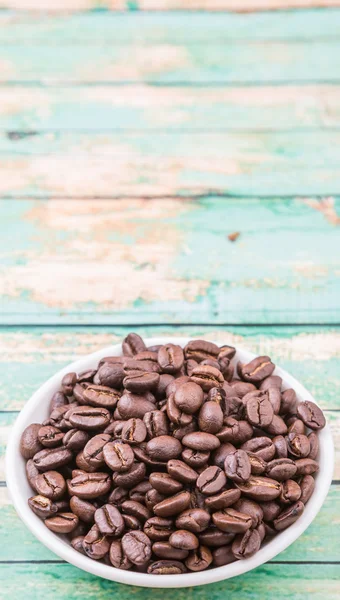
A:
x: 311, y: 415
x: 194, y: 458
x: 259, y: 410
x: 156, y: 423
x: 166, y: 567
x: 288, y: 402
x: 30, y: 444
x: 93, y: 451
x: 83, y: 464
x: 102, y: 396
x: 288, y: 516
x: 89, y: 485
x: 281, y: 448
x: 226, y: 352
x: 136, y: 547
x: 118, y: 456
x: 274, y: 397
x: 199, y: 440
x: 164, y: 447
x: 43, y: 507
x: 142, y: 456
x: 138, y: 492
x: 50, y: 484
x: 306, y: 466
x: 68, y: 382
x: 246, y: 545
x: 109, y: 520
x: 166, y: 550
x: 134, y: 406
x: 158, y: 529
x: 271, y: 382
x: 31, y: 473
x: 195, y: 520
x: 291, y: 492
x: 176, y: 414
x: 52, y: 458
x: 175, y: 384
x: 117, y: 557
x: 58, y: 399
x: 295, y: 425
x: 307, y: 485
x: 182, y: 472
x: 83, y: 509
x: 62, y: 522
x: 145, y: 362
x: 86, y: 376
x: 118, y: 495
x: 215, y: 538
x: 251, y: 508
x: 257, y: 464
x: 170, y: 358
x: 50, y: 436
x: 189, y: 397
x: 210, y: 418
x: 257, y: 370
x: 260, y: 488
x: 199, y: 559
x: 89, y: 418
x: 277, y: 426
x: 165, y: 484
x: 131, y: 523
x: 200, y: 350
x: 136, y: 509
x: 261, y: 446
x: 221, y: 453
x: 237, y: 466
x: 231, y: 520
x: 134, y: 431
x: 238, y: 388
x: 77, y: 544
x: 173, y: 505
x: 235, y: 432
x: 234, y: 407
x: 314, y: 445
x: 298, y: 445
x: 133, y: 344
x: 183, y: 539
x: 281, y: 469
x: 223, y: 556
x: 130, y: 478
x: 95, y: 544
x: 207, y: 377
x: 224, y: 499
x: 270, y: 510
x: 211, y: 480
x: 139, y: 382
x: 75, y: 439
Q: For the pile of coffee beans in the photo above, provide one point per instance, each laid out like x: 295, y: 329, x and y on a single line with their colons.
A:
x: 167, y: 460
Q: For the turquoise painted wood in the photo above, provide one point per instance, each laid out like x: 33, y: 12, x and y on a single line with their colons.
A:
x: 181, y: 109
x: 169, y: 261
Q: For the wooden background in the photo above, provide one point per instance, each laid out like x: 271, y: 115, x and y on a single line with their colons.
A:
x: 135, y: 136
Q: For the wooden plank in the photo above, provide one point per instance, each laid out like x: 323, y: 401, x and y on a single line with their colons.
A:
x: 25, y: 582
x: 169, y: 261
x: 136, y: 164
x: 319, y: 542
x: 252, y: 63
x: 103, y: 28
x: 150, y: 108
x: 66, y: 6
x: 29, y: 356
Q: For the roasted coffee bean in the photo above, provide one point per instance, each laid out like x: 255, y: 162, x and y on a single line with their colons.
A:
x: 221, y: 453
x: 306, y: 466
x: 223, y: 556
x: 93, y: 451
x: 133, y: 344
x: 164, y: 448
x: 75, y: 439
x: 164, y: 380
x: 260, y: 488
x: 214, y: 538
x: 281, y: 448
x: 109, y: 375
x: 231, y: 520
x: 68, y: 382
x: 311, y: 415
x: 83, y: 464
x: 95, y: 544
x: 259, y: 410
x: 145, y: 362
x: 136, y: 547
x: 132, y: 523
x: 175, y: 384
x: 130, y: 478
x: 238, y: 388
x: 199, y: 559
x: 42, y: 506
x: 271, y: 382
x: 109, y: 520
x: 233, y: 407
x: 274, y: 397
x: 166, y: 567
x: 86, y: 376
x: 139, y: 382
x: 288, y: 402
x: 277, y: 426
x: 176, y: 414
x: 197, y: 499
x: 31, y: 473
x: 58, y: 399
x: 207, y: 377
x: 235, y: 432
x: 170, y: 358
x: 134, y: 406
x: 281, y: 469
x: 165, y: 484
x: 89, y: 485
x: 118, y: 495
x: 134, y: 431
x: 195, y: 520
x: 211, y: 363
x: 136, y: 509
x: 118, y: 456
x: 50, y: 436
x: 50, y: 484
x: 224, y: 499
x: 307, y: 484
x: 257, y: 370
x: 199, y: 440
x: 89, y: 418
x: 210, y: 418
x: 270, y: 510
x: 183, y: 539
x: 158, y: 529
x: 247, y: 544
x: 226, y: 352
x: 138, y: 492
x: 200, y: 350
x: 261, y: 446
x: 237, y: 466
x: 291, y: 492
x: 101, y: 396
x: 298, y: 445
x: 117, y: 557
x: 156, y: 423
x: 30, y: 444
x: 62, y: 522
x: 257, y: 464
x: 52, y: 458
x: 251, y: 508
x: 83, y: 509
x: 142, y: 456
x: 167, y: 551
x: 77, y: 544
x: 194, y: 458
x: 295, y: 425
x: 288, y: 516
x: 189, y: 397
x: 182, y: 472
x: 173, y: 505
x: 211, y: 480
x: 314, y: 445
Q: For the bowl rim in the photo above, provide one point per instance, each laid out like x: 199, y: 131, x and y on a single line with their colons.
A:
x: 65, y: 551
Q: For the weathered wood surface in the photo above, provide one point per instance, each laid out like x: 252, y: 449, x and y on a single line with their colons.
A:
x: 153, y: 109
x: 169, y: 260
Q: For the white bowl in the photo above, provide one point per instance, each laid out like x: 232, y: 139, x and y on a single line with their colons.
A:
x: 36, y: 410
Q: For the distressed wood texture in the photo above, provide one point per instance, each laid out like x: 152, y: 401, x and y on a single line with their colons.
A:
x: 170, y: 260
